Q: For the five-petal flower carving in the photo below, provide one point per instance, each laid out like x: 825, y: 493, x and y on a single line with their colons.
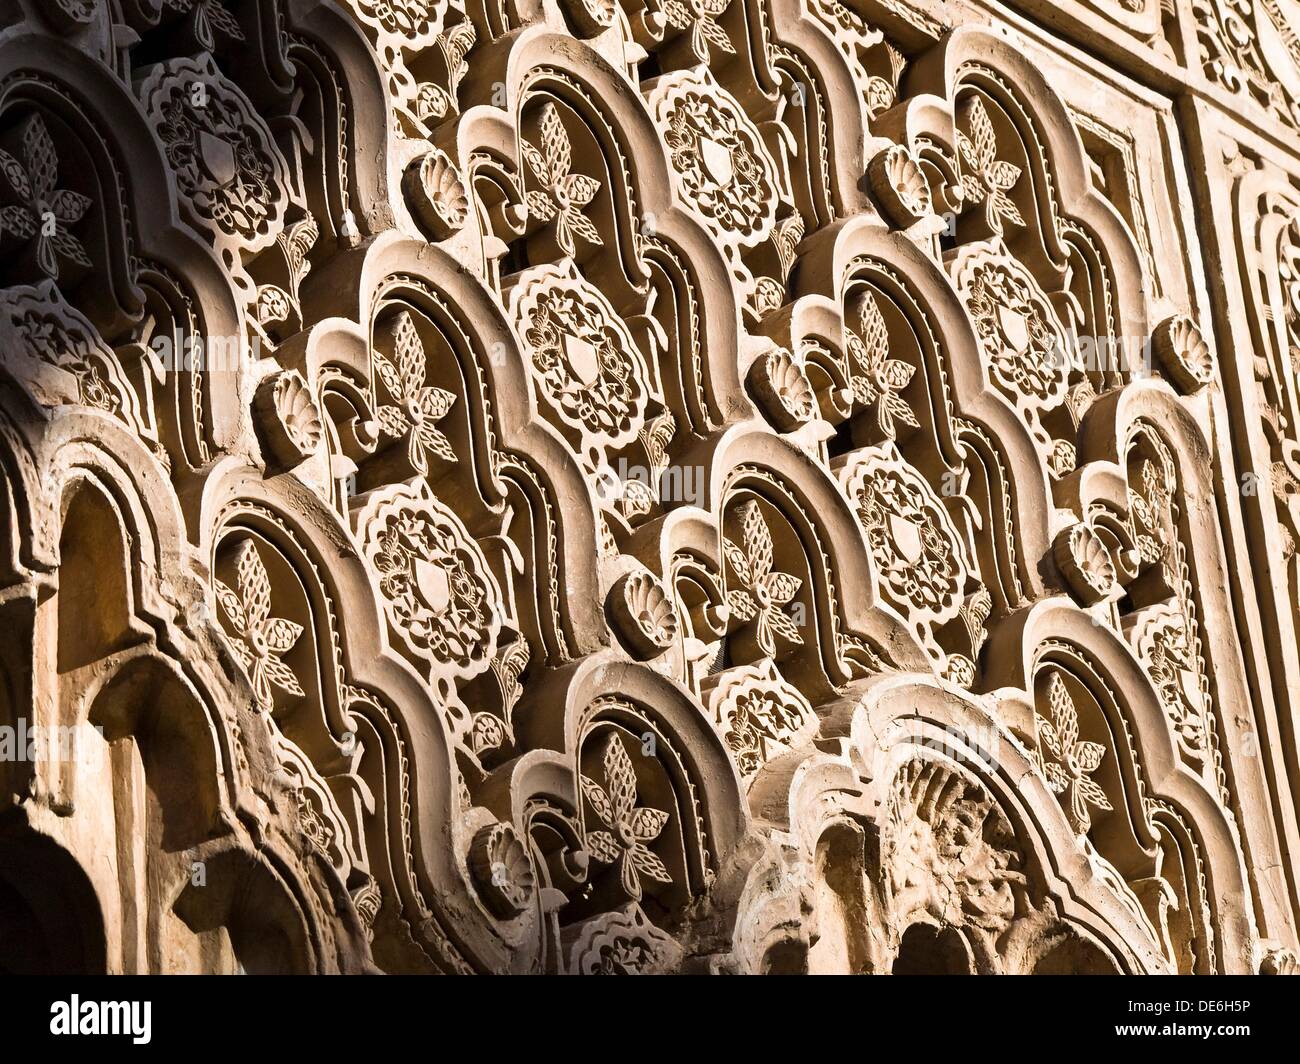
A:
x: 630, y: 828
x: 880, y: 378
x: 566, y: 193
x: 263, y: 638
x: 44, y: 212
x: 697, y: 16
x: 762, y: 594
x: 1074, y: 760
x: 986, y: 179
x: 421, y: 406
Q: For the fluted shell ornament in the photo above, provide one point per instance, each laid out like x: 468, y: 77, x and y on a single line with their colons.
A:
x: 900, y: 186
x: 643, y: 614
x: 288, y: 419
x: 782, y: 389
x: 436, y: 195
x: 502, y: 871
x: 1084, y: 560
x: 1183, y: 353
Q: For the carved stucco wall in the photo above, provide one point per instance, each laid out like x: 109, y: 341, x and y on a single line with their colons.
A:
x: 721, y: 485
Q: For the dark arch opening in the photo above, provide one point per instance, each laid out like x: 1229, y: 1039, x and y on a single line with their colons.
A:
x: 1074, y: 956
x: 787, y: 957
x: 50, y: 922
x: 927, y: 950
x: 94, y: 596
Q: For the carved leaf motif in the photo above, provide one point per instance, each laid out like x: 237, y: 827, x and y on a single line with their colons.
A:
x: 599, y: 800
x: 633, y: 827
x: 1064, y: 714
x: 1047, y: 733
x: 1089, y: 755
x: 581, y: 189
x: 1074, y: 760
x: 254, y: 587
x: 1087, y: 793
x: 1150, y: 512
x: 18, y: 221
x: 603, y: 847
x: 774, y: 622
x: 281, y: 634
x: 620, y: 777
x: 781, y: 587
x: 656, y: 437
x: 879, y: 379
x: 739, y: 562
x: 410, y: 354
x: 788, y: 235
x: 741, y: 605
x: 1057, y: 779
x: 392, y: 421
x: 708, y: 32
x: 263, y: 638
x: 648, y: 864
x: 42, y: 162
x: 758, y: 540
x: 873, y: 336
x: 986, y: 179
x: 14, y: 173
x: 33, y: 181
x: 219, y: 19
x: 420, y: 406
x: 510, y: 664
x: 269, y: 671
x: 697, y: 16
x: 234, y: 609
x: 555, y: 145
x: 540, y: 205
x: 763, y: 594
x: 646, y: 824
x: 457, y: 43
x: 566, y: 194
x: 208, y: 18
x: 676, y: 13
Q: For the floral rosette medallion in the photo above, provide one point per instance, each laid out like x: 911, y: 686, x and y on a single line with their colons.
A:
x: 586, y: 365
x: 435, y: 584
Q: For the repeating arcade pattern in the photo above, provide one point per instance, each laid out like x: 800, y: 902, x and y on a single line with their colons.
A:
x: 711, y: 485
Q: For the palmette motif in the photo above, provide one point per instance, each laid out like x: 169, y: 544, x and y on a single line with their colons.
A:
x: 696, y: 485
